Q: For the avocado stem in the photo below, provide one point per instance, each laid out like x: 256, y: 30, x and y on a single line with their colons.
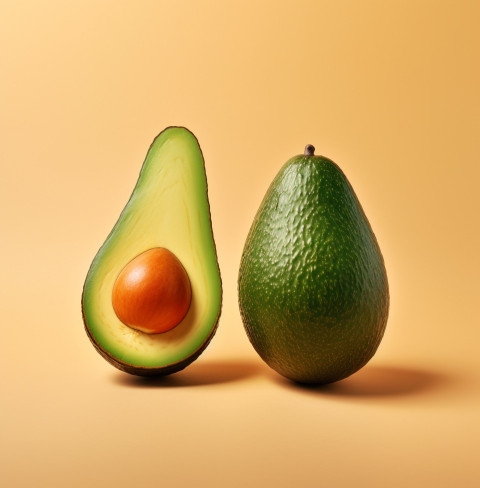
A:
x: 309, y: 150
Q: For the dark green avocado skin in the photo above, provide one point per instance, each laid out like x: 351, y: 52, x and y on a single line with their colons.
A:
x: 313, y: 290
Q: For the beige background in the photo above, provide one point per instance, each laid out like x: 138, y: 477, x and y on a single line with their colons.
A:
x: 389, y: 90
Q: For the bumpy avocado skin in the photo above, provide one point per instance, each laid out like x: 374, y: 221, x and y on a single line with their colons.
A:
x: 313, y: 290
x: 96, y: 327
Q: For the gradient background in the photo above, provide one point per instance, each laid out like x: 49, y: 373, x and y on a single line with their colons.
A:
x: 388, y: 90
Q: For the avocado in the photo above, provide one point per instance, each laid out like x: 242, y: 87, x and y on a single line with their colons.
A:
x: 312, y: 285
x: 152, y: 296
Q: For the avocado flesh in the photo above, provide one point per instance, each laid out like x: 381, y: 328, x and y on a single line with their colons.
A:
x: 313, y: 290
x: 168, y: 208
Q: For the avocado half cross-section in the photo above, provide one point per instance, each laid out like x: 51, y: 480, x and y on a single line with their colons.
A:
x: 161, y: 248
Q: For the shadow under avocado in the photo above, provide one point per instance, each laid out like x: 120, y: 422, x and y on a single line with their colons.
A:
x: 197, y: 374
x: 377, y: 381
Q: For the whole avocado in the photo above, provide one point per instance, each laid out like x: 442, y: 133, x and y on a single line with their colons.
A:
x: 313, y: 289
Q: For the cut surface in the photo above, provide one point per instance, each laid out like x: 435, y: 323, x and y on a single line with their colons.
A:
x: 169, y: 209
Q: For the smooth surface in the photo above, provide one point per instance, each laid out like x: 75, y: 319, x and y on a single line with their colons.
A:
x: 388, y: 90
x: 168, y: 208
x: 153, y: 292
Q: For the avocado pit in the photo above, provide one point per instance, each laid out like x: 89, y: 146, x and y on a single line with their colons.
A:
x: 152, y: 293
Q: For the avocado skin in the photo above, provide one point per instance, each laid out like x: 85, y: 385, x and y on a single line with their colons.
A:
x: 313, y: 289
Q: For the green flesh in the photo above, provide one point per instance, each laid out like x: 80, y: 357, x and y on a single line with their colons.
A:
x: 313, y: 289
x: 168, y: 208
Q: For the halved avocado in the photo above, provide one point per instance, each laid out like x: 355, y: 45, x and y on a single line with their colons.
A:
x: 168, y: 209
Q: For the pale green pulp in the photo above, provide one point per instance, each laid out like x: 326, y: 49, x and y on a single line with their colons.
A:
x: 168, y: 208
